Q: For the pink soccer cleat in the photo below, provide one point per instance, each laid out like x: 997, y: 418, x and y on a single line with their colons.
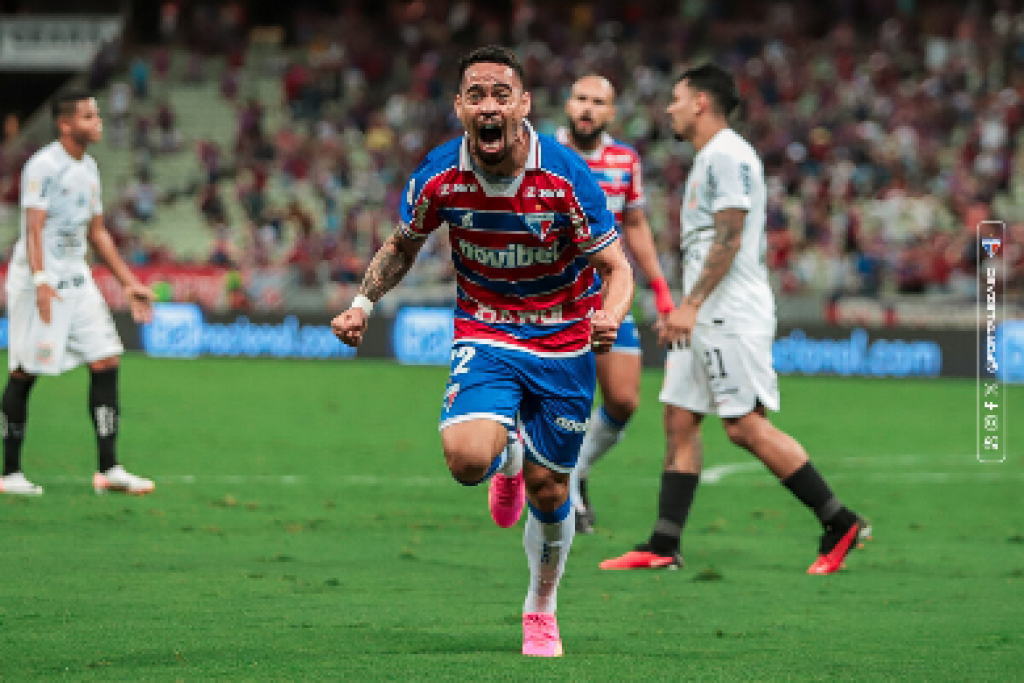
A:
x: 506, y: 497
x: 540, y: 635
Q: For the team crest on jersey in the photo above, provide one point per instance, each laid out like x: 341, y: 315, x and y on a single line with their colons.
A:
x: 467, y: 220
x: 449, y: 395
x: 539, y: 223
x: 44, y: 353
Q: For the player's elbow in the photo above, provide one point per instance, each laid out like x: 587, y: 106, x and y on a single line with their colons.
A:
x: 617, y: 271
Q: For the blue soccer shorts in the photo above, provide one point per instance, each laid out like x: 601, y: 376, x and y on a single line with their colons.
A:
x: 628, y: 339
x: 547, y: 399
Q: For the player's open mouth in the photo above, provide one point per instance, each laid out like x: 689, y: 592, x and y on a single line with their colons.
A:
x: 490, y: 136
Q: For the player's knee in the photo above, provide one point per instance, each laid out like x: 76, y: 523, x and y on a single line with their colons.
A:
x: 739, y: 432
x: 466, y: 466
x: 546, y: 489
x: 621, y: 406
x: 105, y: 364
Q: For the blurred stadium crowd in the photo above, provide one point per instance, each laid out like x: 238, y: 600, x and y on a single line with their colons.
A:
x: 889, y: 129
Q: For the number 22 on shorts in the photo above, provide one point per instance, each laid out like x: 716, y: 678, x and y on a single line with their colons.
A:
x: 464, y: 354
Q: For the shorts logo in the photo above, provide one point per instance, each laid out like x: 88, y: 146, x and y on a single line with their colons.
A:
x: 449, y: 396
x: 44, y: 353
x: 571, y: 425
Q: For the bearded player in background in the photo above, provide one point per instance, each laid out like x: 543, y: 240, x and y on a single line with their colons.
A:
x: 616, y: 167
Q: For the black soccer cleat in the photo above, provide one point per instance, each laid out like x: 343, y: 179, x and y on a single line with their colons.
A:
x: 585, y: 517
x: 584, y: 522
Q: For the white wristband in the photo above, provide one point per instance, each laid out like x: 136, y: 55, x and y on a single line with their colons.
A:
x: 362, y: 302
x: 41, y: 277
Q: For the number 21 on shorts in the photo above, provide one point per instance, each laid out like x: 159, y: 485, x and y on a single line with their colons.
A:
x: 710, y: 356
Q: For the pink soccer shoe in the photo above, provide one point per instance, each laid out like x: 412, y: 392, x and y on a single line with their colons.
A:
x: 506, y: 497
x: 540, y: 635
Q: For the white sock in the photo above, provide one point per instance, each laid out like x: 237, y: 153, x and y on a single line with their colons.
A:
x: 513, y: 457
x: 547, y: 547
x: 600, y: 437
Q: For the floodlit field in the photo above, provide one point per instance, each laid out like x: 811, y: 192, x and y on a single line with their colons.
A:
x: 305, y: 527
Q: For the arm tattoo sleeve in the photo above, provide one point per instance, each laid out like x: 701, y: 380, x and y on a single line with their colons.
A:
x: 728, y: 229
x: 388, y: 267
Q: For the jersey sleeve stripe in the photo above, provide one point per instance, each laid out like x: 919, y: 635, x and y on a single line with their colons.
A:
x: 599, y: 243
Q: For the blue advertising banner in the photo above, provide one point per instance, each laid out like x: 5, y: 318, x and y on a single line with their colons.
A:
x: 180, y: 331
x: 423, y: 336
x: 1010, y: 351
x: 798, y: 353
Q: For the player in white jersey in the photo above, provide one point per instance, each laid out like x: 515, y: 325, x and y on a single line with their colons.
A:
x: 590, y: 109
x: 720, y: 336
x: 56, y: 315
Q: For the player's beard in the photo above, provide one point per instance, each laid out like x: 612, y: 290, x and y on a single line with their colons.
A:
x: 585, y: 140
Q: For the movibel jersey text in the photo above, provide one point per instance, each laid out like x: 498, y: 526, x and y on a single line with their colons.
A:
x: 513, y: 256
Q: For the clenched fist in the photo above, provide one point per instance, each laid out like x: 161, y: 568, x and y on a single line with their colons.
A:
x: 603, y: 331
x: 349, y: 326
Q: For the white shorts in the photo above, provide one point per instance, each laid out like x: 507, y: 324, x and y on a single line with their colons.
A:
x: 721, y: 373
x: 80, y: 330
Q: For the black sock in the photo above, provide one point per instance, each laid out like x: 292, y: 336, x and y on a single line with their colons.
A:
x: 14, y: 415
x: 674, y: 501
x: 103, y: 409
x: 812, y: 490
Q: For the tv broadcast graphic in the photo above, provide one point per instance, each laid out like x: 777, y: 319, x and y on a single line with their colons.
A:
x: 418, y: 340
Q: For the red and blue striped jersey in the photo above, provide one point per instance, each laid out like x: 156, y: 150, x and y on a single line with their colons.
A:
x: 519, y: 246
x: 616, y: 166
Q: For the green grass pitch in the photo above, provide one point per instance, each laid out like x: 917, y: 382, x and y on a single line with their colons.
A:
x: 305, y: 527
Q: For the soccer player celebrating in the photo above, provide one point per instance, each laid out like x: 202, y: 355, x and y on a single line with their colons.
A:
x: 590, y: 108
x: 58, y: 318
x: 530, y: 233
x: 720, y: 336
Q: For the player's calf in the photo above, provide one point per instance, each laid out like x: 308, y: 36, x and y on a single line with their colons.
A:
x: 13, y: 416
x: 104, y: 409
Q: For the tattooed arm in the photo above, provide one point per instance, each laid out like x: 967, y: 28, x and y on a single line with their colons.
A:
x: 728, y: 230
x: 388, y: 267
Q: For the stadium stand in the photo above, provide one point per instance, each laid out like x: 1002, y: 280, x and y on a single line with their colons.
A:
x: 885, y: 134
